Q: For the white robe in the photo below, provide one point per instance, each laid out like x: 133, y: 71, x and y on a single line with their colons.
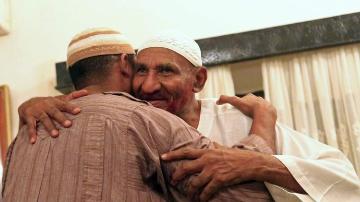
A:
x: 322, y: 171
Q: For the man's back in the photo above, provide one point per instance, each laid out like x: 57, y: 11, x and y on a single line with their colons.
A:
x: 93, y: 160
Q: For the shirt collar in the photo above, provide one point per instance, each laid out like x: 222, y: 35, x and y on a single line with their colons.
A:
x: 127, y: 95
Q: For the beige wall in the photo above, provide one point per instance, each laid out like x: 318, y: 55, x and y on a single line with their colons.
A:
x: 41, y: 29
x: 247, y: 76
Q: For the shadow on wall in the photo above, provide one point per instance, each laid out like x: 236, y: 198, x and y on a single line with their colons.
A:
x: 63, y: 80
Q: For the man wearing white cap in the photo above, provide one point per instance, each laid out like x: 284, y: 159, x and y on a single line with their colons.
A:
x: 301, y: 164
x: 169, y: 73
x: 112, y: 152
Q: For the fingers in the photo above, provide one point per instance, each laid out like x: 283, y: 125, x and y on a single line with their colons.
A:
x: 246, y: 104
x: 233, y: 100
x: 21, y: 122
x: 76, y: 94
x: 209, y: 190
x: 198, y: 182
x: 182, y: 154
x: 46, y: 110
x: 59, y: 117
x: 54, y: 108
x: 223, y: 99
x: 63, y: 105
x: 56, y: 112
x: 31, y: 127
x: 48, y: 124
x: 186, y: 169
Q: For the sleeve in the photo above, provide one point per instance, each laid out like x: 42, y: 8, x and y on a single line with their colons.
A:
x: 254, y: 143
x: 323, y: 171
x: 155, y: 132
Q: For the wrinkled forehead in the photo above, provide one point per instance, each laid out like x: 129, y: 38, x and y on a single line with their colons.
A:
x: 160, y: 56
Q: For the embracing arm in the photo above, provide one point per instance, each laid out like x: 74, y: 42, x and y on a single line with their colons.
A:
x: 223, y: 167
x: 263, y: 126
x: 168, y: 132
x: 47, y: 109
x: 261, y: 111
x: 244, y: 165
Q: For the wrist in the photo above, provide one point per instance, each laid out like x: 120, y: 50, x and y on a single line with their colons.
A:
x: 260, y: 167
x: 268, y: 168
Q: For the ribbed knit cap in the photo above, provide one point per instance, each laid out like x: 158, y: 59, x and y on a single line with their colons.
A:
x: 95, y: 42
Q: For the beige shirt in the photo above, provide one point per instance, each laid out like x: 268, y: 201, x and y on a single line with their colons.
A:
x: 111, y: 153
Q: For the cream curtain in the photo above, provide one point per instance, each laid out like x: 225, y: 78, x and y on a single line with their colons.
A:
x: 318, y: 93
x: 219, y: 82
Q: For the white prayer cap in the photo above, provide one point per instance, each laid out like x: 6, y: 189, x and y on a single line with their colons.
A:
x: 177, y: 42
x: 95, y: 42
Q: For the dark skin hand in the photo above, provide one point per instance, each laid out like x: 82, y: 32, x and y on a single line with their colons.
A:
x: 46, y: 109
x: 221, y: 167
x: 263, y: 114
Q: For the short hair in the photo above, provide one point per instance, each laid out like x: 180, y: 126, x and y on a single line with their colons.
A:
x: 94, y: 70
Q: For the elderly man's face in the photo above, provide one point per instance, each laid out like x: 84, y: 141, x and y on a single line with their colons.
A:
x: 164, y: 78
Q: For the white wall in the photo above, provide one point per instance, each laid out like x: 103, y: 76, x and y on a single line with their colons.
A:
x: 4, y: 17
x: 41, y: 29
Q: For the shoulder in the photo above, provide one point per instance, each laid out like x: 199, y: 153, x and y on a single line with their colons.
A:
x: 160, y: 127
x: 153, y: 114
x: 111, y: 104
x: 155, y: 119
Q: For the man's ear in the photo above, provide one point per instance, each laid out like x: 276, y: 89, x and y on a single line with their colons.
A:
x: 200, y: 79
x: 125, y: 66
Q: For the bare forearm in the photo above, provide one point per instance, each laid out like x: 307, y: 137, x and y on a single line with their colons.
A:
x: 266, y: 167
x: 273, y: 171
x: 264, y: 127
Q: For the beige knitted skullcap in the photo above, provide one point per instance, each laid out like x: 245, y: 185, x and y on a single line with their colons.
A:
x: 95, y: 42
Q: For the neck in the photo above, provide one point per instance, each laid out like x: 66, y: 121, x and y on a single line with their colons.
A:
x: 191, y: 115
x: 114, y: 82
